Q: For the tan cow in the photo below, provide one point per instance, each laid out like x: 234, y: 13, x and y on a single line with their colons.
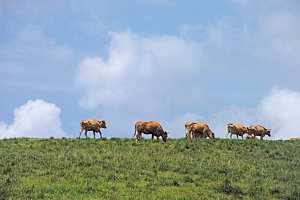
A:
x: 188, y: 133
x: 258, y: 130
x: 251, y: 137
x: 295, y: 139
x: 236, y: 129
x: 201, y: 130
x: 92, y: 125
x: 150, y: 127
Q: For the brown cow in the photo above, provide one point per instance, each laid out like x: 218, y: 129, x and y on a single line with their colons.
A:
x: 258, y: 130
x: 295, y: 139
x: 92, y: 125
x: 150, y: 127
x: 188, y: 134
x: 201, y: 130
x: 236, y: 129
x: 251, y: 137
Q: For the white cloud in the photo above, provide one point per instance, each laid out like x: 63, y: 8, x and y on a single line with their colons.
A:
x: 34, y: 119
x: 280, y: 110
x: 151, y: 70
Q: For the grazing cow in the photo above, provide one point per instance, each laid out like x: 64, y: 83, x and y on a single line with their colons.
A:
x: 236, y: 129
x: 295, y: 139
x: 201, y: 130
x: 258, y: 130
x: 251, y: 137
x: 92, y: 125
x: 188, y: 134
x: 150, y: 127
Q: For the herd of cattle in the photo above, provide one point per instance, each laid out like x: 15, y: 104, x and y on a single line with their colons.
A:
x: 193, y: 130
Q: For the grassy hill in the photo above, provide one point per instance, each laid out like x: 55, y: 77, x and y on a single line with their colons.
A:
x: 123, y: 169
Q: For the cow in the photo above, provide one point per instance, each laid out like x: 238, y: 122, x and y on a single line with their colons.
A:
x: 201, y: 130
x: 236, y: 129
x: 258, y: 130
x: 188, y: 134
x: 295, y: 139
x: 92, y: 125
x: 251, y: 137
x: 150, y: 127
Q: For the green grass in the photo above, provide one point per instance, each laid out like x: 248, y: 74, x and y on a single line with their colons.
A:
x: 123, y: 169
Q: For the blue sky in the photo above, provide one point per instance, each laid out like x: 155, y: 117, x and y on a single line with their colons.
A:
x: 218, y: 62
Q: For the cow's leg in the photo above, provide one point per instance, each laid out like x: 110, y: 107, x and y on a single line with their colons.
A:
x: 81, y: 129
x: 138, y: 135
x: 152, y: 137
x: 157, y: 138
x: 261, y: 137
x: 187, y: 135
x: 85, y: 133
x: 94, y: 134
x: 100, y: 133
x: 230, y: 135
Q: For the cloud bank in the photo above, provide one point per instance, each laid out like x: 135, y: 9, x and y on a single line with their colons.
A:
x: 36, y: 118
x: 151, y: 70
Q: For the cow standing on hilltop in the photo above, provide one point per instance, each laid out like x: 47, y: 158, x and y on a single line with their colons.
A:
x: 150, y: 127
x: 236, y: 129
x: 199, y: 130
x: 92, y: 125
x: 258, y: 130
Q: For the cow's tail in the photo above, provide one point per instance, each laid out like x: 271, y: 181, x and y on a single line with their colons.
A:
x: 134, y: 132
x: 228, y: 125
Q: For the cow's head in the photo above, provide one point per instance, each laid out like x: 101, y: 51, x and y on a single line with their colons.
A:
x: 164, y: 136
x: 103, y: 124
x: 249, y: 131
x: 212, y: 136
x: 245, y: 129
x: 268, y: 132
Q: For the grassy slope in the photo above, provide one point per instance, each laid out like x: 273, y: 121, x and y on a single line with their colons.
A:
x: 123, y: 169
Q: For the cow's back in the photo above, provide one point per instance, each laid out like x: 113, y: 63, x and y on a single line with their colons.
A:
x: 90, y: 124
x: 200, y: 127
x: 295, y: 139
x: 140, y: 126
x: 152, y: 126
x: 188, y: 124
x: 258, y: 129
x: 236, y: 128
